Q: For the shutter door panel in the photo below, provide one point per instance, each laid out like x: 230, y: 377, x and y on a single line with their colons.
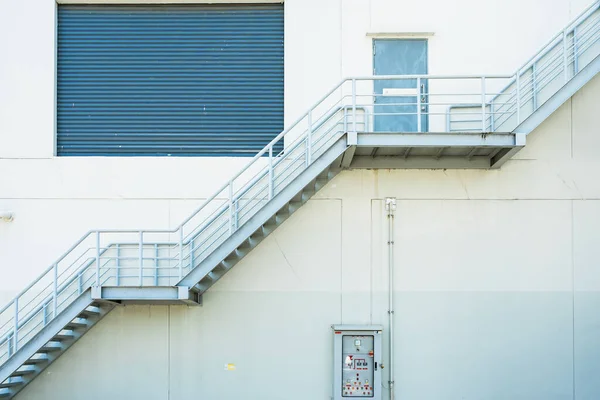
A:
x: 198, y: 80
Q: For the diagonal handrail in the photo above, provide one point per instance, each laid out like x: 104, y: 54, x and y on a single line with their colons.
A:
x: 559, y: 56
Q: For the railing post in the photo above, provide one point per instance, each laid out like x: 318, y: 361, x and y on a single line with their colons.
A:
x: 16, y: 335
x: 230, y: 207
x: 354, y: 105
x: 55, y: 292
x: 10, y: 343
x: 118, y: 265
x: 141, y: 257
x: 271, y: 183
x: 309, y: 139
x: 565, y: 58
x: 419, y: 105
x: 345, y: 110
x: 192, y: 261
x: 97, y: 258
x: 575, y: 52
x: 518, y: 83
x: 156, y: 263
x: 180, y: 253
x: 483, y: 124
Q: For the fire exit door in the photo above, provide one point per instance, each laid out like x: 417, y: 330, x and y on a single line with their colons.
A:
x: 400, y: 103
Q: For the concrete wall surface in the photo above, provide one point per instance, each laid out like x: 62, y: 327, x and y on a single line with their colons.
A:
x: 497, y: 288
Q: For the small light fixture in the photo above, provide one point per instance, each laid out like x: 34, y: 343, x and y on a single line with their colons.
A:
x: 6, y: 216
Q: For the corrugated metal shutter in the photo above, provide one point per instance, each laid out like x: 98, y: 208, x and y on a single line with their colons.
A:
x: 169, y: 80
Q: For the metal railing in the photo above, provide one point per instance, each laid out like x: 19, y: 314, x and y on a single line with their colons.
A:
x: 537, y: 80
x: 414, y: 103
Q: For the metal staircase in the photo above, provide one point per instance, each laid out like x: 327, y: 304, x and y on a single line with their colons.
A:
x: 486, y: 123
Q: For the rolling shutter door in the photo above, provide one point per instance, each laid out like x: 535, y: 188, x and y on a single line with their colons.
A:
x: 199, y: 80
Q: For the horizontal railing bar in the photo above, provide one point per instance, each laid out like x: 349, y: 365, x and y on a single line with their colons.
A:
x: 425, y: 76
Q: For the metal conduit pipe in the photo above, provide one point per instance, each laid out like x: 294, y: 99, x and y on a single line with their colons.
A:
x: 390, y: 206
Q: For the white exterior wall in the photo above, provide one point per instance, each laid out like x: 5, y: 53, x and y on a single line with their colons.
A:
x: 497, y: 280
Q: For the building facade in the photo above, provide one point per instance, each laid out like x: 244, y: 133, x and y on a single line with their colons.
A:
x: 496, y: 279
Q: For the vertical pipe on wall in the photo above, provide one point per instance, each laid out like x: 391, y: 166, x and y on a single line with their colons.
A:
x: 390, y: 206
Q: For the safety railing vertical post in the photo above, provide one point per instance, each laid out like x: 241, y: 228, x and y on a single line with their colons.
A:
x: 419, y: 105
x: 345, y: 110
x: 45, y: 314
x: 156, y: 264
x: 518, y: 83
x: 354, y: 105
x: 97, y: 258
x: 181, y: 253
x: 16, y: 328
x: 118, y: 265
x: 271, y: 183
x: 309, y: 138
x: 230, y: 196
x: 575, y: 51
x: 141, y: 258
x: 565, y: 58
x: 55, y: 292
x: 483, y: 124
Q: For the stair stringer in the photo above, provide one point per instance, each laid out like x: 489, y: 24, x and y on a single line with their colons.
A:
x: 277, y: 210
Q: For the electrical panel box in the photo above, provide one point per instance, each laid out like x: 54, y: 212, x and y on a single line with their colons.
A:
x: 357, y: 361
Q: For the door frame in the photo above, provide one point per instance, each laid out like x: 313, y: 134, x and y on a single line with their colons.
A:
x: 424, y: 37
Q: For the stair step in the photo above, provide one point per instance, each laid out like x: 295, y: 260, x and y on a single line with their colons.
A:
x: 48, y: 348
x: 36, y: 361
x: 89, y: 312
x: 62, y: 337
x: 7, y: 385
x: 23, y: 372
x: 76, y: 325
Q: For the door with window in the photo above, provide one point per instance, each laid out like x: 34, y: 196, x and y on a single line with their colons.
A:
x: 400, y: 102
